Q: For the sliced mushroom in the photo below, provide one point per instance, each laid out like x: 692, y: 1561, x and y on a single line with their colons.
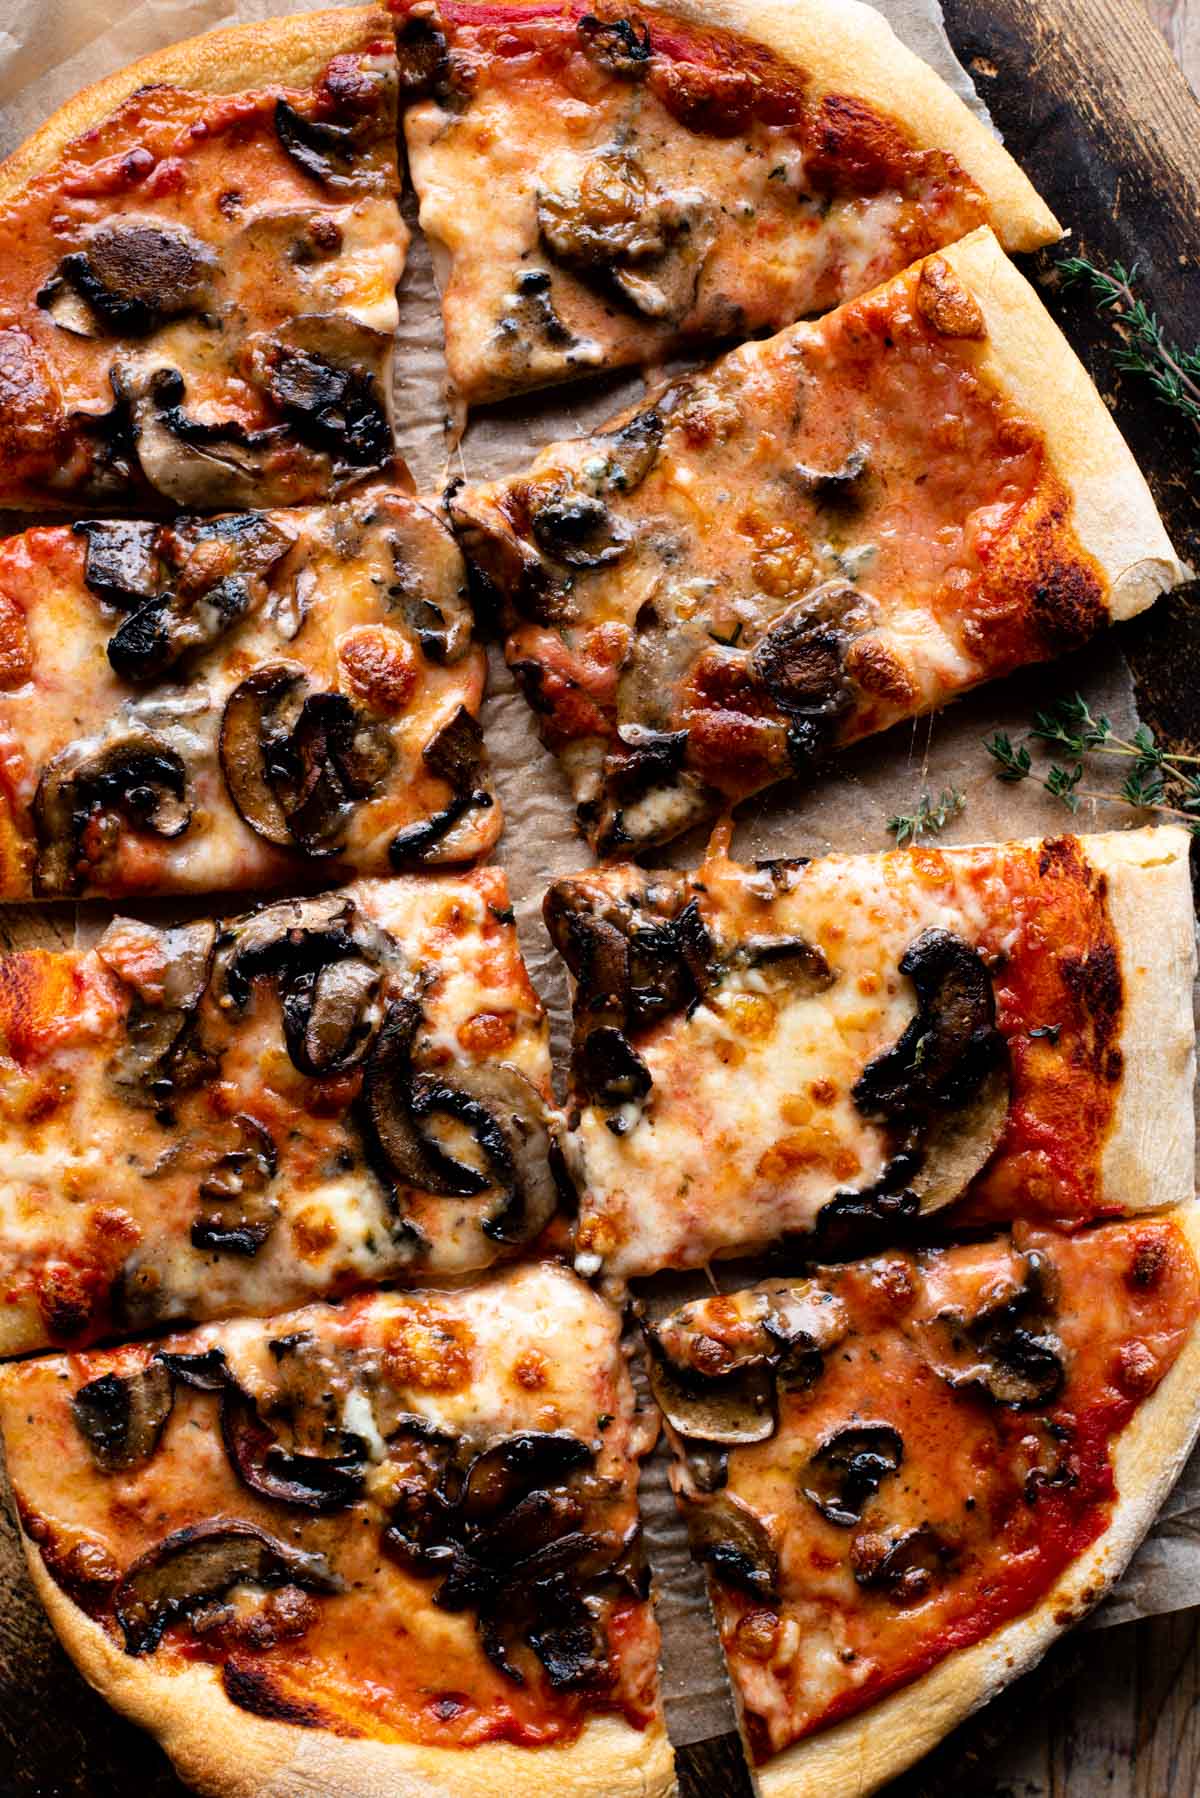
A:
x: 204, y: 1372
x: 120, y: 565
x: 135, y: 776
x: 610, y: 1068
x: 623, y: 458
x: 215, y: 570
x: 443, y: 624
x: 853, y: 1224
x: 950, y: 1046
x: 957, y: 1145
x: 132, y: 275
x: 320, y: 371
x: 122, y: 1416
x: 904, y: 1567
x: 160, y: 1054
x: 833, y: 486
x: 578, y: 529
x: 297, y: 763
x: 290, y: 936
x: 422, y: 54
x: 493, y: 1111
x: 641, y: 241
x: 801, y: 657
x: 203, y: 1562
x: 785, y: 966
x: 729, y: 1409
x: 331, y: 1015
x: 193, y: 462
x: 729, y: 1537
x: 503, y: 1474
x: 312, y: 1482
x: 996, y: 1333
x: 237, y: 1213
x: 326, y: 153
x: 848, y: 1469
x: 456, y: 755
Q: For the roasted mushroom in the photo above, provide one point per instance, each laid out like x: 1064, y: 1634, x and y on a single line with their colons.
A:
x: 991, y: 1328
x: 833, y: 486
x: 443, y: 624
x: 903, y: 1566
x: 848, y: 1469
x: 122, y: 1416
x: 296, y: 762
x: 729, y: 1537
x: 331, y: 1015
x: 203, y: 1562
x: 120, y: 564
x: 623, y: 458
x: 161, y: 1054
x: 95, y: 785
x: 194, y: 462
x: 728, y: 1409
x: 215, y: 570
x: 492, y: 1113
x: 319, y: 370
x: 801, y: 659
x: 957, y: 1145
x: 578, y: 529
x: 455, y: 754
x: 327, y: 153
x: 950, y: 1046
x: 643, y: 243
x: 619, y: 46
x: 324, y: 1482
x: 131, y: 276
x: 237, y: 1213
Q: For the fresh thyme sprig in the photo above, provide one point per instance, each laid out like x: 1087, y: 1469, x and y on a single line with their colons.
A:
x: 908, y: 827
x: 1071, y: 728
x: 1144, y: 349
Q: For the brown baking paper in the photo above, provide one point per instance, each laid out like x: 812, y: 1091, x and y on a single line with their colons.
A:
x: 51, y: 48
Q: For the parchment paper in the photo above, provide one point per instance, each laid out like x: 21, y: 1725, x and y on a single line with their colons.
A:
x: 51, y: 48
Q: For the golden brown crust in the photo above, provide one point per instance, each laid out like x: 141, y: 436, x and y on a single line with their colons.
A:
x: 857, y: 1757
x: 272, y: 52
x: 224, y: 1752
x: 1149, y: 1159
x: 1114, y: 514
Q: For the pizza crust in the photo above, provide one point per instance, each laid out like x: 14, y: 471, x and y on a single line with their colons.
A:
x: 272, y: 53
x: 847, y: 46
x: 857, y: 1757
x: 225, y: 1752
x: 1114, y: 514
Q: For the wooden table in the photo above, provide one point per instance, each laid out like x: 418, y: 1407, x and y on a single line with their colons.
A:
x: 1092, y: 103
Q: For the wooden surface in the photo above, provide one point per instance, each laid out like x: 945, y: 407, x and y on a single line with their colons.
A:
x: 1090, y: 100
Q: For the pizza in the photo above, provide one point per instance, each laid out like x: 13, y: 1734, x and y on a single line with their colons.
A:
x: 198, y: 268
x: 391, y: 1545
x: 238, y: 1114
x: 906, y: 1475
x: 241, y: 700
x: 824, y: 533
x: 824, y: 1054
x: 603, y: 186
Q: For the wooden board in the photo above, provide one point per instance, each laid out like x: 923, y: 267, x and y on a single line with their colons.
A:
x: 1091, y: 102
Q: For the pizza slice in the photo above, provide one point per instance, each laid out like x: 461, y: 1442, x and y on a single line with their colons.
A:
x: 198, y: 268
x: 907, y: 1475
x: 831, y: 1050
x: 822, y: 534
x: 603, y: 186
x: 388, y: 1546
x: 238, y: 701
x: 233, y: 1115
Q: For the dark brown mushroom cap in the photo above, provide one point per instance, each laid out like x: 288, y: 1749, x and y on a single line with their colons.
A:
x: 122, y: 1416
x: 627, y: 454
x: 311, y: 1482
x: 203, y: 1562
x: 195, y: 462
x: 729, y: 1537
x: 204, y: 1372
x: 849, y: 1467
x: 620, y: 46
x: 325, y: 152
x: 120, y: 565
x: 422, y: 1125
x: 456, y: 755
x: 134, y: 775
x: 319, y: 370
x: 237, y: 1212
x: 508, y: 1470
x: 578, y: 529
x: 296, y: 763
x: 133, y: 274
x: 801, y: 656
x: 949, y: 1047
x: 331, y: 1014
